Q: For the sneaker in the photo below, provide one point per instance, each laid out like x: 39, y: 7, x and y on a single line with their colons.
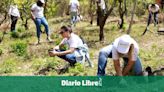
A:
x: 38, y: 41
x: 147, y: 28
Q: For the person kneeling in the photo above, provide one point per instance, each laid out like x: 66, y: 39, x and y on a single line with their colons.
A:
x: 76, y: 50
x: 123, y: 47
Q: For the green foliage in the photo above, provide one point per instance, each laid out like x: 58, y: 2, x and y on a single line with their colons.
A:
x: 15, y: 35
x: 64, y: 47
x: 19, y: 48
x: 113, y: 27
x: 77, y: 70
x: 21, y: 34
x: 8, y: 66
x: 44, y: 63
x: 20, y: 29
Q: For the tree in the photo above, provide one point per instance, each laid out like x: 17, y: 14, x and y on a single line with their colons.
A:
x: 132, y: 16
x: 102, y: 17
x: 122, y: 11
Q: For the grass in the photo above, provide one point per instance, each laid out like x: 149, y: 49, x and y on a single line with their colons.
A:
x: 36, y: 59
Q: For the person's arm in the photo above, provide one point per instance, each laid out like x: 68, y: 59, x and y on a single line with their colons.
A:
x: 128, y: 67
x: 117, y: 67
x: 131, y: 60
x: 32, y: 15
x: 18, y: 13
x: 32, y: 11
x: 149, y: 8
x: 116, y: 61
x: 61, y: 44
x: 55, y: 53
x: 10, y: 9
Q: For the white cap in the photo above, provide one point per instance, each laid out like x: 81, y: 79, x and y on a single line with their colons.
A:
x: 42, y: 1
x: 124, y: 44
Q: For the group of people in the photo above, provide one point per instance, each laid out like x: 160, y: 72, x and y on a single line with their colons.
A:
x: 37, y: 15
x: 123, y: 47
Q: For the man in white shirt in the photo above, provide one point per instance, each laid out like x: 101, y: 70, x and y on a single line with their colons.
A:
x: 74, y: 10
x: 72, y: 40
x: 37, y: 12
x: 123, y: 47
x: 14, y: 14
x: 127, y: 48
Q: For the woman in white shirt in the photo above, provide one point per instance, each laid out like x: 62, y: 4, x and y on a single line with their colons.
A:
x: 72, y: 40
x: 38, y: 17
x: 14, y: 14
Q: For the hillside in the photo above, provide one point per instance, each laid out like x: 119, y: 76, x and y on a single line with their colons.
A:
x: 37, y: 62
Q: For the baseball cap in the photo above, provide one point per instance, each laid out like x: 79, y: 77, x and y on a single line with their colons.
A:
x: 124, y: 44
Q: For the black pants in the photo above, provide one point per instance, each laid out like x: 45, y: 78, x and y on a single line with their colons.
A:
x: 155, y: 18
x: 14, y: 22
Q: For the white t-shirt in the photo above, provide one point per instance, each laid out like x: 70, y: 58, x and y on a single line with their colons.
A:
x: 14, y: 11
x: 74, y: 4
x: 37, y: 11
x: 156, y: 9
x: 116, y: 55
x: 73, y: 42
x: 102, y: 4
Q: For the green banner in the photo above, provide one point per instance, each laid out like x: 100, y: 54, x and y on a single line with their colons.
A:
x: 82, y: 84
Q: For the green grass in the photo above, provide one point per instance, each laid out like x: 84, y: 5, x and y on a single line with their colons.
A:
x: 15, y: 60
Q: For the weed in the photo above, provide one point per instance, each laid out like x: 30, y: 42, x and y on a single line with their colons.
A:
x: 19, y: 48
x: 8, y: 66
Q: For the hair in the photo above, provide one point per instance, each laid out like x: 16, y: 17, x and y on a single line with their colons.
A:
x: 152, y: 5
x: 39, y: 3
x: 67, y: 28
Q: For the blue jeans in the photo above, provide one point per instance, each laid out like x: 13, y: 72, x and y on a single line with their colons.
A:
x: 68, y: 57
x: 73, y: 18
x: 106, y: 53
x: 38, y: 22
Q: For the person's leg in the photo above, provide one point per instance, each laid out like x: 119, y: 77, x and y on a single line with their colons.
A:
x: 13, y: 24
x: 156, y: 18
x: 71, y: 13
x: 149, y: 19
x: 38, y: 25
x: 69, y: 57
x: 137, y: 67
x: 45, y: 23
x: 102, y: 60
x: 75, y: 17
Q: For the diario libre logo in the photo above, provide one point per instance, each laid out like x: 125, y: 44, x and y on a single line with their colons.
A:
x: 86, y: 82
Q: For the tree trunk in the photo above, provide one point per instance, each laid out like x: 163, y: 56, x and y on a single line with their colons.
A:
x: 101, y: 18
x: 101, y: 35
x: 91, y: 11
x: 132, y: 16
x: 122, y: 11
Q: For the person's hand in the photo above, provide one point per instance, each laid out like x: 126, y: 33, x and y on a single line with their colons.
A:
x: 53, y: 53
x: 32, y: 17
